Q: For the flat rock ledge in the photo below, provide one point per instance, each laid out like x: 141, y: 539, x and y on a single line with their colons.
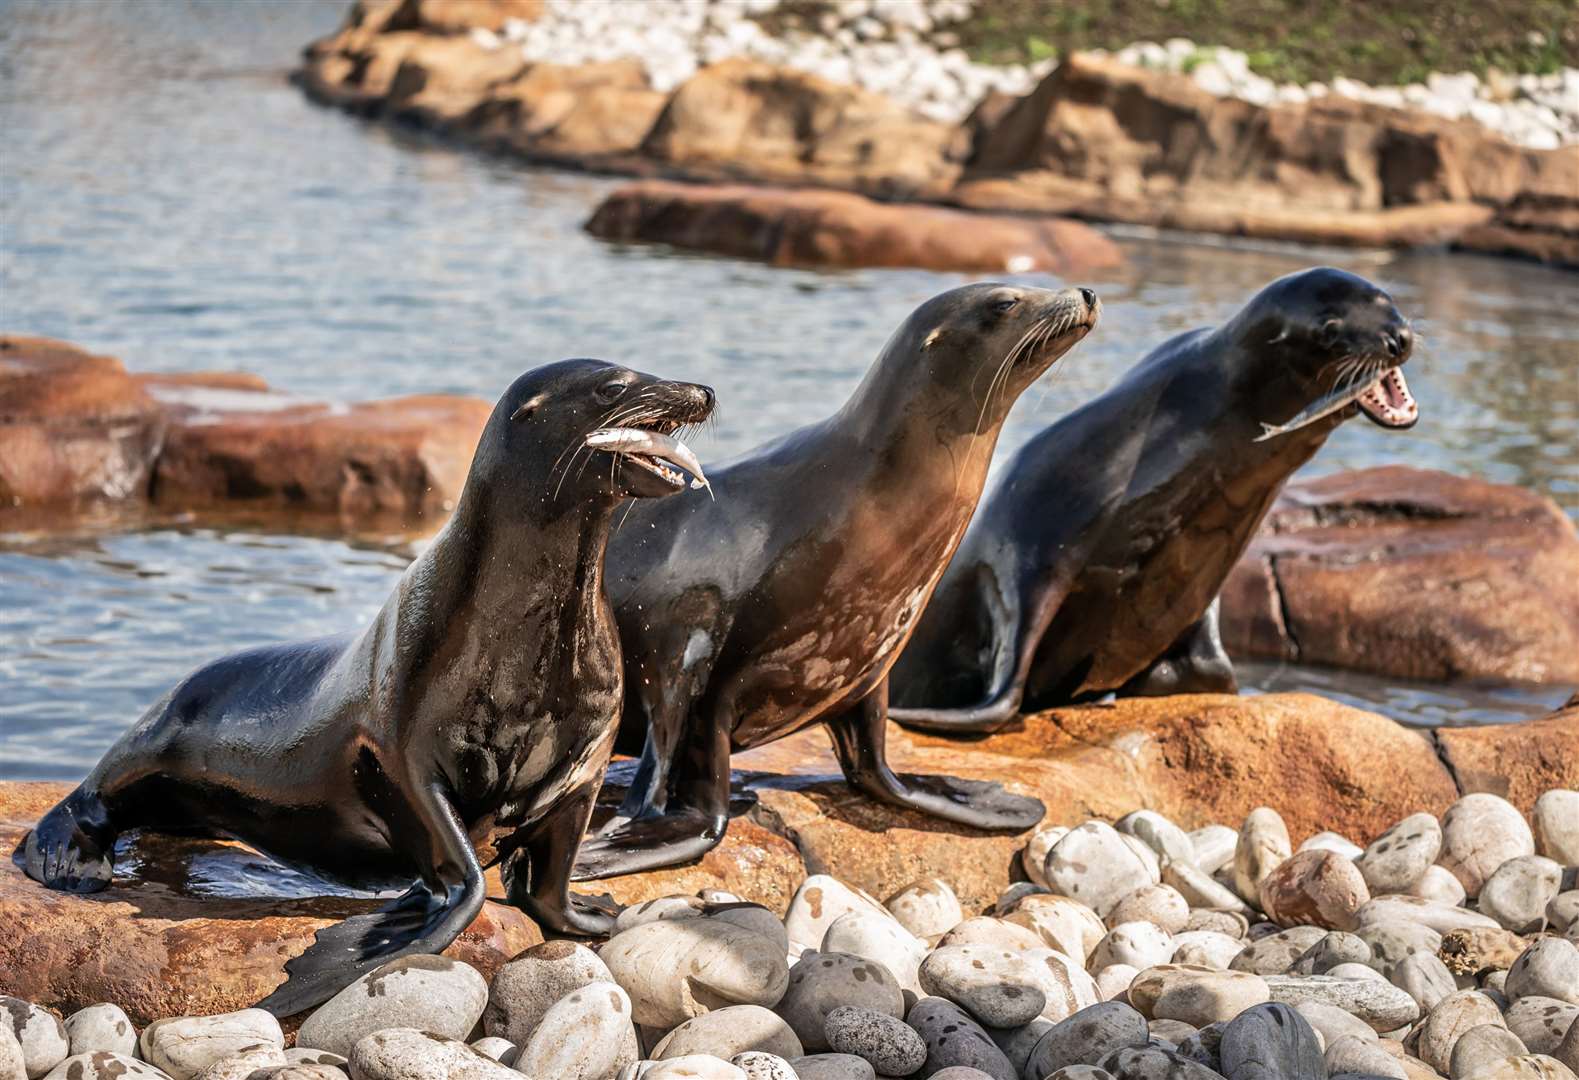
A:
x: 1096, y: 139
x: 1411, y: 573
x: 159, y: 945
x: 78, y: 429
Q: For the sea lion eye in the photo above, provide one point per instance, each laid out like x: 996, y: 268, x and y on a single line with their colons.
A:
x: 1006, y: 304
x: 610, y: 391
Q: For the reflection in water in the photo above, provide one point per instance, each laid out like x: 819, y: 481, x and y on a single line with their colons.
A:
x: 168, y: 198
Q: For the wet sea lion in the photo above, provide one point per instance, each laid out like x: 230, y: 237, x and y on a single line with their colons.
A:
x: 783, y: 603
x: 470, y: 723
x: 1095, y: 564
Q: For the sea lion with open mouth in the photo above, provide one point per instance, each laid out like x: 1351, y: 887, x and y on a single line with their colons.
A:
x: 470, y: 723
x: 1095, y: 564
x: 784, y: 602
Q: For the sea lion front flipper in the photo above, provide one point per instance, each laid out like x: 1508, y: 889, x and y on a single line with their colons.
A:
x: 538, y: 872
x: 859, y: 740
x: 423, y: 919
x: 1196, y: 663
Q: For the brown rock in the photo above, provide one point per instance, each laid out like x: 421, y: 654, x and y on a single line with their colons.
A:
x: 571, y: 112
x: 441, y: 79
x: 1314, y: 888
x: 843, y: 229
x: 74, y: 426
x: 459, y: 16
x: 1414, y: 573
x: 1519, y: 762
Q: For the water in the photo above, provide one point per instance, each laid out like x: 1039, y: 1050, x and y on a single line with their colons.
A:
x: 169, y: 199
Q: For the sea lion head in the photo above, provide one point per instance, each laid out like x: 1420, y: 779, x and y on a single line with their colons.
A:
x: 1338, y: 343
x: 992, y: 340
x: 585, y: 430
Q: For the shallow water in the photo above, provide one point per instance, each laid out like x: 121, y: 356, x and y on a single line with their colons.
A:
x: 166, y: 197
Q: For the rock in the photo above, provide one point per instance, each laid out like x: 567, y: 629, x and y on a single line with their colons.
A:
x: 523, y: 990
x: 1516, y: 895
x: 818, y: 902
x: 1331, y: 1022
x: 1061, y: 923
x: 185, y: 1046
x: 1357, y: 973
x: 1314, y: 888
x: 790, y: 227
x: 297, y: 1055
x: 1171, y: 843
x: 1333, y: 842
x: 1556, y: 821
x: 587, y: 1035
x: 95, y: 1065
x: 299, y: 1072
x: 1169, y: 1032
x: 1114, y: 981
x: 1568, y: 1050
x: 1482, y: 1047
x: 928, y: 909
x: 994, y: 985
x: 1411, y: 573
x: 39, y: 1033
x: 1562, y: 911
x: 1195, y: 995
x: 1017, y: 1043
x: 1214, y: 847
x: 1263, y: 847
x: 953, y: 1038
x: 102, y: 1027
x: 1205, y: 948
x: 1199, y: 890
x: 859, y: 933
x: 1033, y: 857
x: 832, y: 1067
x: 1411, y: 909
x: 993, y: 933
x: 1138, y: 944
x: 1381, y: 1005
x: 676, y: 969
x: 1540, y: 1023
x: 1452, y: 1016
x: 725, y: 1033
x: 241, y: 1066
x: 1336, y: 948
x: 1093, y: 865
x: 1390, y: 942
x: 960, y: 1072
x: 1227, y: 923
x: 1352, y: 1056
x: 1276, y: 953
x: 1086, y: 1037
x: 12, y: 1063
x: 1520, y: 761
x: 1270, y: 1042
x: 821, y: 982
x: 1425, y: 978
x: 1202, y: 1047
x: 887, y: 1043
x: 1439, y: 886
x: 501, y: 1050
x: 429, y: 993
x: 1396, y: 860
x: 1160, y: 905
x: 1480, y: 832
x: 1548, y: 968
x: 408, y: 1054
x: 1064, y: 983
x: 759, y: 1066
x: 1154, y: 1063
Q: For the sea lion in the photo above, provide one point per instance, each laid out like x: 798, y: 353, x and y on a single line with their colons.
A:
x: 1095, y: 564
x: 470, y: 723
x: 784, y: 602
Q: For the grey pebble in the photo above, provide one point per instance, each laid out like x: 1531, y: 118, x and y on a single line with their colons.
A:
x: 953, y: 1038
x: 1087, y: 1037
x: 1270, y: 1042
x: 891, y: 1046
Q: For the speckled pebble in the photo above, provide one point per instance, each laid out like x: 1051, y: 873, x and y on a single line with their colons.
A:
x: 1155, y: 1063
x: 695, y: 1067
x: 833, y: 1067
x: 1086, y: 1037
x: 1205, y: 948
x: 1263, y: 846
x: 821, y: 982
x: 586, y: 1035
x: 1396, y: 860
x: 724, y: 1033
x: 1425, y: 978
x: 101, y: 1027
x: 1060, y: 923
x: 1541, y: 1022
x: 96, y: 1065
x: 501, y: 1050
x: 242, y: 1065
x: 1556, y: 820
x: 38, y: 1032
x: 1138, y: 944
x: 670, y: 967
x: 1548, y: 968
x: 1481, y: 1047
x: 953, y: 1038
x: 1350, y: 1055
x: 927, y: 908
x: 1170, y: 842
x: 1338, y: 947
x: 1196, y: 995
x: 993, y: 985
x: 1094, y: 864
x: 1516, y: 895
x: 529, y: 985
x: 1315, y: 888
x: 758, y: 1065
x: 1480, y: 832
x: 409, y: 1054
x: 1275, y: 953
x: 891, y: 1046
x: 883, y: 940
x: 186, y: 1045
x: 429, y: 993
x: 818, y: 902
x: 1452, y: 1016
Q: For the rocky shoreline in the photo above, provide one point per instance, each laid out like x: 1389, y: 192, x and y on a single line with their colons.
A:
x: 1239, y: 910
x: 1095, y: 138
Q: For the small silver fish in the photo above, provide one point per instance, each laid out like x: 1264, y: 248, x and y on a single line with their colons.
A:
x: 651, y: 444
x: 1340, y: 398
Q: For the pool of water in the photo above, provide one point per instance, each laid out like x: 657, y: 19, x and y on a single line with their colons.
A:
x: 165, y: 196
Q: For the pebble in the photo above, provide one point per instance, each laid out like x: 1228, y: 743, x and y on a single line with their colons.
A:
x: 1018, y: 1042
x: 1061, y: 923
x: 1390, y: 942
x: 39, y: 1033
x: 1277, y: 952
x: 1568, y: 1050
x: 1154, y: 1063
x: 1380, y: 1004
x: 1094, y: 864
x: 1195, y: 995
x: 1202, y: 1047
x: 833, y: 1067
x: 1349, y: 1055
x: 429, y: 993
x: 1332, y: 1022
x: 1411, y: 909
x: 1033, y: 857
x: 12, y: 1064
x: 1548, y: 968
x: 928, y: 908
x: 695, y: 1067
x: 1115, y: 980
x: 724, y: 1033
x: 1086, y: 1037
x: 885, y: 941
x: 760, y: 1066
x: 1314, y: 888
x: 1334, y: 842
x: 1481, y: 1047
x: 1229, y: 923
x: 185, y: 1046
x: 1270, y: 1042
x: 1439, y: 885
x: 669, y: 968
x: 753, y: 917
x: 1480, y: 832
x: 953, y: 1038
x: 993, y: 985
x: 501, y: 1050
x: 960, y: 1072
x: 821, y: 982
x: 94, y: 1065
x: 1214, y: 847
x: 1138, y: 944
x: 101, y: 1027
x: 409, y: 1054
x: 299, y: 1072
x: 1009, y: 898
x: 1170, y: 842
x: 243, y: 1065
x: 1562, y: 911
x: 1540, y: 1022
x: 1516, y: 895
x: 1263, y: 846
x: 1201, y: 890
x: 1425, y: 978
x: 1205, y: 948
x: 1556, y: 820
x: 1452, y: 1016
x: 586, y: 1035
x: 1065, y: 984
x: 817, y: 903
x: 1160, y: 905
x: 1338, y: 947
x: 1396, y: 860
x: 298, y: 1055
x: 993, y: 933
x: 887, y: 1043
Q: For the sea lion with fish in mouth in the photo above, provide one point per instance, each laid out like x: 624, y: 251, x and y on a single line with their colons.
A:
x: 1095, y: 564
x: 783, y: 603
x: 470, y: 723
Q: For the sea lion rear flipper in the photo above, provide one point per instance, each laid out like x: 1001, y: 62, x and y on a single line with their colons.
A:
x: 1196, y: 663
x: 423, y: 919
x: 859, y: 740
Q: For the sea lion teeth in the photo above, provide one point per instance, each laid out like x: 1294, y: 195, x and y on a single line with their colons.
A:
x: 650, y: 444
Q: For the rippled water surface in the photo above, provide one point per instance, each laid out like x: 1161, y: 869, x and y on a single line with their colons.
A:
x: 168, y: 198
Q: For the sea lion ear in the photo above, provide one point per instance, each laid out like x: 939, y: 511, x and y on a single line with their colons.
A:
x: 524, y: 410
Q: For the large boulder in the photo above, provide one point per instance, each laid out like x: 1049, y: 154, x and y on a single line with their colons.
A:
x: 1413, y: 573
x: 799, y: 227
x: 575, y: 113
x: 74, y: 426
x: 1520, y: 762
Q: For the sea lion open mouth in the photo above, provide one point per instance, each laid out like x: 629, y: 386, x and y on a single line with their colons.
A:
x: 1388, y: 403
x: 653, y: 447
